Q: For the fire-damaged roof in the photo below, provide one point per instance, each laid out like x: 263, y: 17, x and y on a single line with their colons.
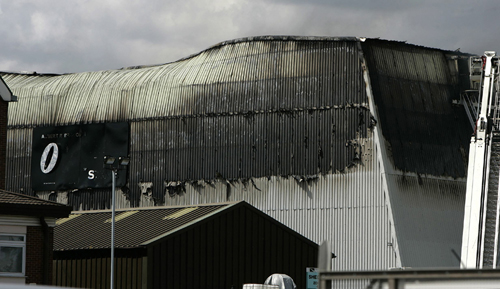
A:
x: 340, y: 130
x: 258, y: 107
x: 250, y: 108
x: 414, y: 88
x: 19, y: 204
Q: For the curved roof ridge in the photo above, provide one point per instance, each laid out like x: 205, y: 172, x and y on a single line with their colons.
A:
x: 248, y: 39
x: 251, y: 39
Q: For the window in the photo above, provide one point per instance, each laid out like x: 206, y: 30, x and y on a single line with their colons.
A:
x: 12, y: 254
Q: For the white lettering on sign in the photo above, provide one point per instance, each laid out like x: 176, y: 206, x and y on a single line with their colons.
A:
x: 53, y: 160
x: 91, y: 174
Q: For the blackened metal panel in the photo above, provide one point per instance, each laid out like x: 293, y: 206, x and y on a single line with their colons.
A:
x: 255, y: 93
x: 237, y: 77
x: 413, y: 89
x: 236, y: 142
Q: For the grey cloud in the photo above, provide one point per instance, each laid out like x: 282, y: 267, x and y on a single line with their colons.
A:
x: 83, y: 35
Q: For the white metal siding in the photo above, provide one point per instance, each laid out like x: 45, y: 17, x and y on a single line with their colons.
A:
x: 428, y: 216
x: 348, y: 209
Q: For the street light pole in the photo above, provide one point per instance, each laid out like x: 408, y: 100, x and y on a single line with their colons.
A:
x: 112, y: 279
x: 109, y: 163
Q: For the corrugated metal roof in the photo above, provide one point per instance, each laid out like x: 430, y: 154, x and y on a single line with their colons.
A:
x: 237, y: 78
x: 413, y: 89
x: 92, y: 230
x: 273, y: 112
x: 243, y: 109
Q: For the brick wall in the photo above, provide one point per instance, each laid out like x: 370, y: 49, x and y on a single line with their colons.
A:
x: 3, y: 140
x: 34, y: 255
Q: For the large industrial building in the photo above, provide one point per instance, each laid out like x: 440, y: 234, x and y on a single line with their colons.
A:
x: 361, y: 142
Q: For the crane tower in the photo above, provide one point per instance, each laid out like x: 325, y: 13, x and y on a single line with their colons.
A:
x: 480, y: 242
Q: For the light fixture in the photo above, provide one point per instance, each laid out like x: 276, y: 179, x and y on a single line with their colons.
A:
x: 109, y: 160
x: 123, y: 161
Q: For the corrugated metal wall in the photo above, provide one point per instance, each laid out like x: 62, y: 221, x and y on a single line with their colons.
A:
x: 428, y: 215
x: 18, y: 162
x: 237, y: 111
x: 426, y: 140
x: 280, y: 124
x: 348, y: 209
x: 86, y: 270
x: 298, y: 143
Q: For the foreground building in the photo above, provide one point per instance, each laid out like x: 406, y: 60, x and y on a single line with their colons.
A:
x: 26, y: 238
x: 26, y: 222
x: 356, y: 141
x: 205, y: 246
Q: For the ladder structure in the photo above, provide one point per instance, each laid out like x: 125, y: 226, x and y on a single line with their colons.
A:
x: 482, y: 206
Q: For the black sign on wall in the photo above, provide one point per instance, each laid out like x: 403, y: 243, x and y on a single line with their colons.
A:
x: 71, y: 157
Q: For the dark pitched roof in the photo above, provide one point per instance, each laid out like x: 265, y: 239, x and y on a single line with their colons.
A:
x: 140, y: 227
x: 19, y: 204
x: 133, y: 227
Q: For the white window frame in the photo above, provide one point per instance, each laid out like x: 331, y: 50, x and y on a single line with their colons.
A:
x: 19, y: 244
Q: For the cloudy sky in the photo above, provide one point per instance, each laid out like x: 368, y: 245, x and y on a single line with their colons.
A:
x: 61, y: 36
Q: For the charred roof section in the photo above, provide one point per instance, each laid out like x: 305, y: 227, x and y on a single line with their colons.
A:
x: 244, y: 77
x: 239, y: 110
x: 413, y: 88
x: 254, y: 107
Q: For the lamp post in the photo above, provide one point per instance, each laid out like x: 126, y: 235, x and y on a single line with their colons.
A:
x: 112, y: 164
